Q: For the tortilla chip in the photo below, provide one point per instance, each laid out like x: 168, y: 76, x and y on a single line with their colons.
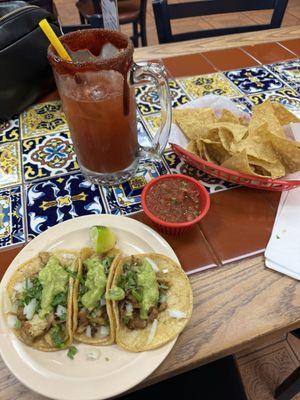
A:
x: 227, y: 116
x: 283, y: 115
x: 191, y: 121
x: 270, y: 170
x: 227, y: 133
x: 239, y: 162
x: 68, y: 259
x: 81, y: 337
x: 216, y: 153
x: 192, y: 147
x: 264, y: 114
x: 257, y: 145
x: 288, y: 152
x: 180, y: 297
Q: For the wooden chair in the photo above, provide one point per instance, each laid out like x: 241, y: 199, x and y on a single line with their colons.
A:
x: 164, y: 13
x: 130, y: 12
x: 291, y: 385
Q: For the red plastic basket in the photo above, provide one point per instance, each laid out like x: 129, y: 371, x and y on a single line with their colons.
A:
x: 234, y: 176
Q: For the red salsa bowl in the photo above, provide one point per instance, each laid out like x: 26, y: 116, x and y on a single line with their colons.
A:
x: 175, y: 202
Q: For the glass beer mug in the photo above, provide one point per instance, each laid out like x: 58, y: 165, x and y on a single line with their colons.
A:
x: 97, y: 95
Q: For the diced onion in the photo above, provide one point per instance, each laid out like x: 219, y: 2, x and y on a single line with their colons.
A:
x: 153, y: 264
x: 60, y: 311
x: 152, y: 331
x: 12, y: 321
x: 104, y: 330
x: 19, y: 287
x: 29, y: 309
x: 165, y: 271
x: 177, y: 314
x: 102, y: 302
x: 92, y: 355
x: 69, y: 256
x: 88, y: 331
x: 129, y: 309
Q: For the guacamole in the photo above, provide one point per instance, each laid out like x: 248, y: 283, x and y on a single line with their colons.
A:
x: 54, y: 279
x: 95, y: 282
x: 146, y: 280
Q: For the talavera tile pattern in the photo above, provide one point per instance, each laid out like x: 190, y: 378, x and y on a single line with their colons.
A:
x: 40, y: 181
x: 11, y: 217
x: 42, y: 119
x: 48, y: 155
x: 54, y: 200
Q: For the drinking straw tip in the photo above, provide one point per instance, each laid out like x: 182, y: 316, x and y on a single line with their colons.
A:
x: 54, y: 40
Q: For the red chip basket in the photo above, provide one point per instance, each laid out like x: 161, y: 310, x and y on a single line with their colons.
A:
x: 229, y: 175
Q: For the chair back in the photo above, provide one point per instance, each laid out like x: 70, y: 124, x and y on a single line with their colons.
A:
x: 164, y: 13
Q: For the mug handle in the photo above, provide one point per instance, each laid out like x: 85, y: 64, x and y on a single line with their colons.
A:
x: 156, y: 74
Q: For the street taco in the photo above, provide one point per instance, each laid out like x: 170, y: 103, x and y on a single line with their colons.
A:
x: 93, y: 321
x: 152, y: 301
x: 40, y: 295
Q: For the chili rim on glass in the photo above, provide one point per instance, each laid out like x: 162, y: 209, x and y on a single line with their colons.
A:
x: 176, y: 227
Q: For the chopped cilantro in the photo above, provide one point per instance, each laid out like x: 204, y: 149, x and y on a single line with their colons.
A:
x: 33, y: 292
x: 106, y: 262
x: 60, y: 299
x: 277, y: 237
x: 163, y: 286
x: 125, y: 319
x: 74, y: 275
x: 55, y: 333
x: 72, y: 352
x: 128, y: 281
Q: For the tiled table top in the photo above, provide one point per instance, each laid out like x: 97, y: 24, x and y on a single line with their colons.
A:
x: 41, y: 185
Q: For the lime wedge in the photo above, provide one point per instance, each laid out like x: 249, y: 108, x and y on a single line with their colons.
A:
x: 103, y: 238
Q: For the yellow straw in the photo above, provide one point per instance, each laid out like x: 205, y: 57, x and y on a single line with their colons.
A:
x: 54, y: 40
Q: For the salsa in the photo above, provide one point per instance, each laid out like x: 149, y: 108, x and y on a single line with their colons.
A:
x: 174, y: 200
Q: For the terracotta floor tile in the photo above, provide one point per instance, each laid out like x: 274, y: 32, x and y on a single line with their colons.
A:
x: 292, y: 45
x: 264, y: 370
x: 239, y: 223
x: 269, y: 52
x: 190, y: 65
x: 191, y: 248
x: 230, y: 59
x: 6, y: 257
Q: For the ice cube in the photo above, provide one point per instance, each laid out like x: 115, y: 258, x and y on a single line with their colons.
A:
x: 108, y: 50
x: 82, y: 55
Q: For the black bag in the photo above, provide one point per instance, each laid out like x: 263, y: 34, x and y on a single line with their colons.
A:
x: 25, y: 74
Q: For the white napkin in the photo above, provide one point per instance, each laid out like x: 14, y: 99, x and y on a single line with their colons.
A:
x: 283, y: 250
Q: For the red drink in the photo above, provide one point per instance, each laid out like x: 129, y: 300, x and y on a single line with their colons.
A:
x: 99, y: 102
x: 104, y: 135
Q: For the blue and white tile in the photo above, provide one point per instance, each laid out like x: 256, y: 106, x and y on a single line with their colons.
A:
x: 50, y: 155
x: 288, y: 71
x: 55, y: 200
x: 10, y: 164
x: 126, y: 197
x: 286, y: 96
x: 254, y: 80
x: 147, y: 98
x: 9, y: 130
x: 213, y: 185
x: 11, y: 217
